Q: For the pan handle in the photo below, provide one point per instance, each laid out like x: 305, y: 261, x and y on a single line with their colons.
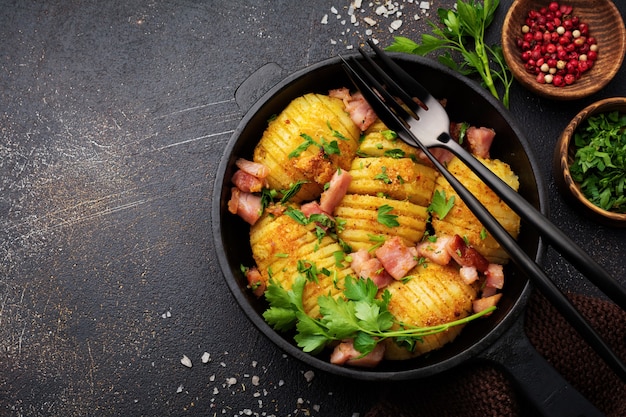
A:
x: 257, y: 84
x: 535, y: 378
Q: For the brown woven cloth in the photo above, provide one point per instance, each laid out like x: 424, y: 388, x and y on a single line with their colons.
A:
x: 477, y: 389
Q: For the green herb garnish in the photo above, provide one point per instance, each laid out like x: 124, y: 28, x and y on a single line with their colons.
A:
x: 357, y: 315
x: 385, y: 218
x: 440, y: 205
x: 599, y: 165
x: 462, y: 31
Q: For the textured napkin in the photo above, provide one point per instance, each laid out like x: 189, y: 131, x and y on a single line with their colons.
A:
x: 480, y: 390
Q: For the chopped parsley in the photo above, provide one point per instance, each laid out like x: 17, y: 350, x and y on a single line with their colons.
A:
x: 385, y: 218
x: 440, y: 205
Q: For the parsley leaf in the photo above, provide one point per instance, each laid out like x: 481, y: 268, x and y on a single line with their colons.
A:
x: 440, y: 205
x: 357, y: 315
x: 461, y: 30
x: 386, y: 219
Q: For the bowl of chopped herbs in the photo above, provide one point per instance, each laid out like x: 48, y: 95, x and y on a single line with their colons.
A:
x: 590, y: 160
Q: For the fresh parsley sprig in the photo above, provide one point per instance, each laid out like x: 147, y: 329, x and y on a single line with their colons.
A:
x: 462, y: 31
x: 358, y: 315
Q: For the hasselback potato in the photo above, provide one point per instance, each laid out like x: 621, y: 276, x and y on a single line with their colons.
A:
x: 460, y: 220
x: 298, y: 145
x: 431, y: 295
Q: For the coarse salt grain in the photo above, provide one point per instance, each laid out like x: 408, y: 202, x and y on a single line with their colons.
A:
x: 206, y: 357
x: 186, y: 361
x: 309, y: 375
x: 424, y: 5
x: 395, y: 25
x: 369, y: 21
x: 324, y: 20
x: 179, y: 389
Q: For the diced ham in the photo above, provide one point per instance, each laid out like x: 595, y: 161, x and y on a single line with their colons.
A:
x: 246, y: 205
x: 465, y: 255
x: 247, y: 182
x: 255, y: 169
x: 311, y: 208
x: 483, y: 303
x: 435, y: 251
x: 397, y: 258
x: 479, y: 140
x: 342, y: 93
x: 365, y: 266
x: 468, y: 274
x: 336, y: 190
x: 358, y: 260
x: 488, y: 291
x: 359, y: 109
x: 345, y: 354
x: 495, y: 276
x: 442, y: 155
x: 255, y: 281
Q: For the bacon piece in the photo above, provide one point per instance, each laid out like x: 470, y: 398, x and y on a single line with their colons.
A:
x: 246, y: 182
x: 483, y: 303
x: 345, y: 354
x: 255, y: 281
x: 495, y: 276
x: 442, y: 155
x: 365, y: 266
x: 255, y: 169
x: 468, y: 274
x: 245, y: 205
x: 435, y: 251
x: 360, y: 111
x: 397, y: 258
x: 465, y: 255
x: 337, y: 189
x: 311, y: 208
x: 342, y: 93
x: 480, y: 140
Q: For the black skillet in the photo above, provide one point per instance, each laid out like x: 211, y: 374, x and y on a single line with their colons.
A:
x: 499, y: 338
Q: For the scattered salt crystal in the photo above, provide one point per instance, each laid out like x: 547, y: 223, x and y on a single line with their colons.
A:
x: 380, y: 10
x: 324, y: 20
x: 369, y: 32
x: 206, y: 357
x: 369, y: 21
x: 424, y: 5
x: 300, y: 401
x: 357, y: 4
x: 215, y: 391
x: 231, y: 381
x: 166, y: 315
x: 333, y: 10
x: 395, y: 25
x: 254, y: 364
x: 353, y: 19
x: 255, y: 380
x: 186, y: 361
x: 281, y: 383
x: 179, y: 389
x: 309, y: 375
x: 316, y: 408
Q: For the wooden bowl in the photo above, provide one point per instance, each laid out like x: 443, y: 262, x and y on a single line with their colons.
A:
x: 605, y: 24
x: 564, y: 156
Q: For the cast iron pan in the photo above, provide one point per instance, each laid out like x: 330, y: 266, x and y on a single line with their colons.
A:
x: 500, y: 337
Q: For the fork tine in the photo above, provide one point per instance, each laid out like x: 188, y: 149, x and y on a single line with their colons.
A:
x: 414, y: 88
x: 399, y: 92
x: 383, y: 103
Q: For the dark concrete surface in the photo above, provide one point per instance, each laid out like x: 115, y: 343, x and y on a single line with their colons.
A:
x: 113, y: 119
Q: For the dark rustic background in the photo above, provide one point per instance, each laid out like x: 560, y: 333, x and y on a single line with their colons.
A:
x: 113, y: 118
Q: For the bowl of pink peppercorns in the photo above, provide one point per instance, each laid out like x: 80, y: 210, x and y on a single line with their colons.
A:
x: 563, y: 50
